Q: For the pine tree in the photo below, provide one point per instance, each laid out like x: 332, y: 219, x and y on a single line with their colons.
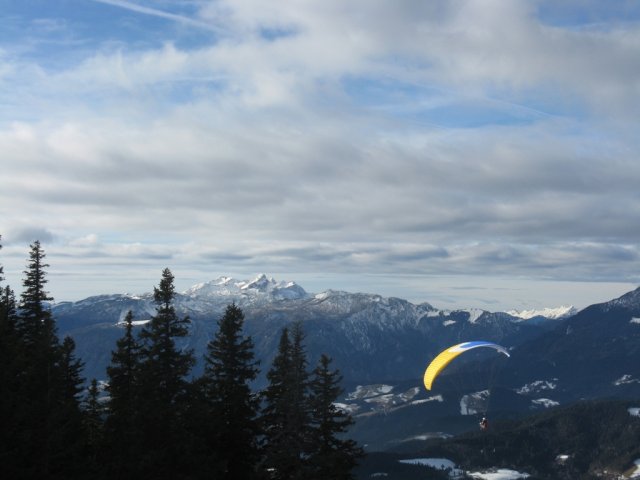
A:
x: 49, y: 426
x: 70, y: 372
x: 67, y: 433
x: 163, y: 385
x: 11, y: 358
x: 331, y: 455
x: 274, y: 416
x: 229, y: 370
x: 35, y: 323
x: 122, y: 436
x: 286, y: 412
x: 93, y: 419
x: 35, y: 329
x: 162, y: 360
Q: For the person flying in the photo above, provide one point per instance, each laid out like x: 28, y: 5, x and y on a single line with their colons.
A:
x: 484, y: 424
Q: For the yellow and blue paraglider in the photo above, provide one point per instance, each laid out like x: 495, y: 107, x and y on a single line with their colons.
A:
x: 446, y: 357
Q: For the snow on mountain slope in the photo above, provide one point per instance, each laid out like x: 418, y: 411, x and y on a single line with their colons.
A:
x: 557, y: 313
x: 359, y: 310
x: 260, y: 288
x: 370, y: 337
x: 628, y: 301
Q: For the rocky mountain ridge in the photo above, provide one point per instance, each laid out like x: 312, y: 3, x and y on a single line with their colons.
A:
x: 383, y: 344
x: 370, y: 337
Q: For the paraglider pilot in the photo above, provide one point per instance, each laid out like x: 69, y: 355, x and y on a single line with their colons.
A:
x: 484, y: 424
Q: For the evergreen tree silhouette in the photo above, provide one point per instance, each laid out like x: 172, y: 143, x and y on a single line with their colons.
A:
x: 229, y: 370
x: 332, y: 456
x: 11, y: 358
x: 286, y: 412
x: 163, y: 386
x: 49, y: 412
x: 121, y: 430
x: 93, y: 419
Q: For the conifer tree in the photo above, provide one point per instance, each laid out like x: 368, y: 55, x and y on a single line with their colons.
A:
x: 229, y: 370
x: 286, y: 411
x: 331, y: 456
x: 70, y: 372
x: 67, y: 434
x: 49, y: 412
x: 8, y: 310
x: 35, y: 323
x: 163, y: 384
x: 41, y: 355
x: 299, y: 385
x: 93, y: 418
x: 274, y: 412
x: 10, y: 381
x: 122, y: 436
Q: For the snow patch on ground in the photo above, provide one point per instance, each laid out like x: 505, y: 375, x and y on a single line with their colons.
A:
x: 636, y: 473
x: 135, y: 323
x: 545, y: 402
x: 389, y: 400
x: 538, y: 386
x: 446, y: 323
x: 455, y: 472
x: 498, y: 474
x: 349, y: 408
x: 634, y: 412
x: 625, y: 380
x: 429, y: 436
x: 436, y: 398
x: 553, y: 313
x: 635, y: 320
x: 474, y: 403
x: 381, y: 399
x: 368, y: 391
x: 378, y: 398
x: 474, y: 314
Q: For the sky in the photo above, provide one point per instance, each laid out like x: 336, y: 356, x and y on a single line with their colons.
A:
x: 466, y: 153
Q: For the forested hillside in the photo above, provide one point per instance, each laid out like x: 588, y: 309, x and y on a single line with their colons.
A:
x: 152, y: 418
x: 578, y: 441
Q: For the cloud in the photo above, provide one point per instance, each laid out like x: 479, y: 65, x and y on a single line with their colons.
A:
x: 441, y: 137
x: 28, y: 235
x: 89, y: 240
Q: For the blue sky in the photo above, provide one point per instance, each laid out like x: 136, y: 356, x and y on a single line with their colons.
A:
x: 465, y: 153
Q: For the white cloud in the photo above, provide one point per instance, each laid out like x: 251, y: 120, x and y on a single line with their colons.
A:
x: 333, y: 137
x: 89, y: 240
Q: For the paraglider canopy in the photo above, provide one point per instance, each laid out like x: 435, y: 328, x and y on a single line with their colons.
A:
x: 444, y: 358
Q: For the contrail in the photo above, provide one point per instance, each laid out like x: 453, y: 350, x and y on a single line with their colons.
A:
x: 158, y: 13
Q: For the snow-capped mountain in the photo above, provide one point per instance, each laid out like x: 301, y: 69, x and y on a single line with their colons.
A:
x: 549, y: 313
x: 260, y: 289
x: 592, y: 354
x: 588, y: 353
x: 370, y: 337
x: 383, y: 344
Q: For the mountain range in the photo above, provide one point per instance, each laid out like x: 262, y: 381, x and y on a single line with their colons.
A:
x: 382, y: 345
x: 371, y: 338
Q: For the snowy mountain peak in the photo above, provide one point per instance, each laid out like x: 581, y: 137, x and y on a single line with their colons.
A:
x: 263, y: 287
x: 261, y: 282
x: 474, y: 314
x: 557, y: 313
